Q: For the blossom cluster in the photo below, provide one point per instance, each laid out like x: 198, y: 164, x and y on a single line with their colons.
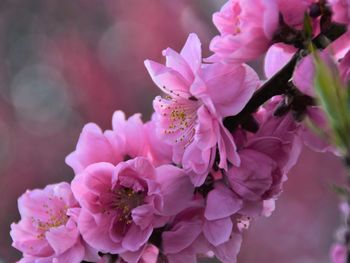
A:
x: 187, y: 183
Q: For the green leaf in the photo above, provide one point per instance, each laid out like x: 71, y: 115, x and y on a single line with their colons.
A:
x: 334, y: 99
x: 307, y: 26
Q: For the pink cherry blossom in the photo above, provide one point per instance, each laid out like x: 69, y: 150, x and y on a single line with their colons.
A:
x: 198, y: 97
x: 246, y: 29
x: 47, y: 231
x: 126, y: 140
x: 121, y: 205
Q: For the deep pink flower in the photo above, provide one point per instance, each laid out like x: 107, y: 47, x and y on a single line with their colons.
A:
x: 121, y: 205
x: 126, y: 140
x: 47, y: 231
x: 198, y: 97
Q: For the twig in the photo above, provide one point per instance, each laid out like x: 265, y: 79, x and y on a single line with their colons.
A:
x: 277, y: 85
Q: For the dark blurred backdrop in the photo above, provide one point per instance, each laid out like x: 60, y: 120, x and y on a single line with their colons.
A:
x: 65, y: 63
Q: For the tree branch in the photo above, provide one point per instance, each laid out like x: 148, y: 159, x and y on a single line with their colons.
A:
x: 278, y: 84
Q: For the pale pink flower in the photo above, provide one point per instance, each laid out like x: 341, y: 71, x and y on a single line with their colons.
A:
x: 121, y: 205
x: 47, y: 231
x: 198, y: 97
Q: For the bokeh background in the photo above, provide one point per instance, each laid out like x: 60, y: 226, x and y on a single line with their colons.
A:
x: 64, y: 63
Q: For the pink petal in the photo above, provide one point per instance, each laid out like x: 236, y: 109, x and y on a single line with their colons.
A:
x: 218, y: 231
x: 177, y: 62
x: 167, y: 79
x: 207, y: 130
x: 276, y: 57
x: 228, y: 251
x: 74, y: 254
x: 136, y: 237
x: 176, y: 189
x: 181, y: 236
x: 92, y: 147
x: 221, y: 203
x: 61, y: 238
x: 96, y: 232
x: 230, y: 87
x: 192, y: 52
x: 227, y: 149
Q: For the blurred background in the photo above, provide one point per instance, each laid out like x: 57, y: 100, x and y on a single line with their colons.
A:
x: 65, y: 63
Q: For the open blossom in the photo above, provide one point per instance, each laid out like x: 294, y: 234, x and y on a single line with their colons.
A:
x: 198, y: 97
x: 247, y: 28
x: 122, y: 205
x: 126, y: 140
x: 47, y: 231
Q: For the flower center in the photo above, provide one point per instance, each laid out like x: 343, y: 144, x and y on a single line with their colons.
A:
x: 56, y: 218
x: 179, y: 118
x: 126, y: 199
